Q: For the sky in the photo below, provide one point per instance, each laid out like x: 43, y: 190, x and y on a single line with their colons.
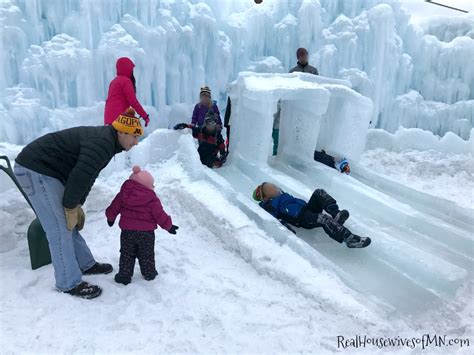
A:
x: 421, y: 10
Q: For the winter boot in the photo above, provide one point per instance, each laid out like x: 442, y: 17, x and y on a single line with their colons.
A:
x: 85, y: 290
x: 98, y: 268
x: 341, y: 217
x: 122, y: 279
x: 151, y: 277
x: 355, y: 241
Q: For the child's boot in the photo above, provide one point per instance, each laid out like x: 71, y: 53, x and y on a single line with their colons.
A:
x: 355, y: 241
x: 124, y: 280
x: 151, y: 276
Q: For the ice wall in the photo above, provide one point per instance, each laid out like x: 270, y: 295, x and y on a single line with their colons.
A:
x: 315, y: 112
x: 65, y: 51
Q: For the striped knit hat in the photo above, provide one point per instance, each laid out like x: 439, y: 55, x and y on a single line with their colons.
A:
x: 205, y: 91
x: 128, y: 123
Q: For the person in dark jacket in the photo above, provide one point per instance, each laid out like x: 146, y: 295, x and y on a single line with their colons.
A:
x: 57, y: 172
x: 339, y: 163
x: 302, y: 64
x: 205, y: 105
x: 211, y: 142
x: 320, y: 211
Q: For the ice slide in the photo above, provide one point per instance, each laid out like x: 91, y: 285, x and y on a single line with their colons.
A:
x: 419, y: 257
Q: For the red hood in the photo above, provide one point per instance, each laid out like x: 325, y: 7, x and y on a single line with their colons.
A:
x: 125, y: 67
x: 135, y: 194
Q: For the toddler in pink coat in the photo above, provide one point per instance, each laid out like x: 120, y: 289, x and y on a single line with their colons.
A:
x: 140, y: 213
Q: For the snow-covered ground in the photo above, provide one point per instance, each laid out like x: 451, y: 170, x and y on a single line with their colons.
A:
x: 224, y: 285
x: 231, y: 280
x: 226, y: 282
x: 234, y: 279
x: 445, y: 175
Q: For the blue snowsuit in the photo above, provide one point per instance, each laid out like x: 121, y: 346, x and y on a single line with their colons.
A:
x: 284, y: 207
x: 308, y: 215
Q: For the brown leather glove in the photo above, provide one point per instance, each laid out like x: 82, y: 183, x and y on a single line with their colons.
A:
x: 81, y: 218
x: 72, y: 217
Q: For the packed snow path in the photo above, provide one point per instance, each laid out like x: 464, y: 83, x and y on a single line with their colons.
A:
x: 223, y: 284
x: 232, y: 274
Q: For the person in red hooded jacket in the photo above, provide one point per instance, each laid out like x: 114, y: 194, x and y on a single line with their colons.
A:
x: 121, y: 93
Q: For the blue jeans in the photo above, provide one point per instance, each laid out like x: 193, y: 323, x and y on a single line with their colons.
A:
x: 69, y: 251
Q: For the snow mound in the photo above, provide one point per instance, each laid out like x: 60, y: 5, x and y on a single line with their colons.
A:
x: 415, y: 138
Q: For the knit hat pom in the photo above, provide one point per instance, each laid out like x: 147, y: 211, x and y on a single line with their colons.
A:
x: 136, y: 169
x: 130, y: 111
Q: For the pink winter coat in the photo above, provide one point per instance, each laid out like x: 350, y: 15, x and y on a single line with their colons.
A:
x: 121, y: 93
x: 139, y: 207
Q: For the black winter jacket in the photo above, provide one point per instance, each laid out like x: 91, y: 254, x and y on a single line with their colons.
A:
x: 74, y: 156
x: 304, y: 69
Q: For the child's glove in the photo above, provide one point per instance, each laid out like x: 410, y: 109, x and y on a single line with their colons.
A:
x: 180, y: 126
x: 173, y: 229
x: 110, y: 223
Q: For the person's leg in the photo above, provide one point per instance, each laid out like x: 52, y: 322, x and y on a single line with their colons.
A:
x: 333, y: 229
x: 209, y: 159
x: 276, y: 138
x: 146, y: 255
x: 45, y: 194
x: 311, y: 220
x: 128, y: 253
x: 84, y: 256
x: 321, y: 200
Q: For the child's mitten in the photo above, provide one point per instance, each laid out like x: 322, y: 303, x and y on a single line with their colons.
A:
x: 173, y: 229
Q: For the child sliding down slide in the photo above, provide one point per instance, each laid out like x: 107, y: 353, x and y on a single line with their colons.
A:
x: 210, y: 141
x: 141, y: 211
x: 292, y: 211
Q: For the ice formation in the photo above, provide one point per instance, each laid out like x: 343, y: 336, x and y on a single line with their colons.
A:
x: 316, y: 112
x: 63, y: 53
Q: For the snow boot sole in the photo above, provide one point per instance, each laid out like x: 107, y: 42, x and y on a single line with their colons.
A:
x: 356, y: 241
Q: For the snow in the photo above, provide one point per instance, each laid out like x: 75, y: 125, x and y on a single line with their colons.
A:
x: 445, y: 175
x: 417, y: 139
x: 233, y: 273
x: 234, y: 279
x: 221, y: 277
